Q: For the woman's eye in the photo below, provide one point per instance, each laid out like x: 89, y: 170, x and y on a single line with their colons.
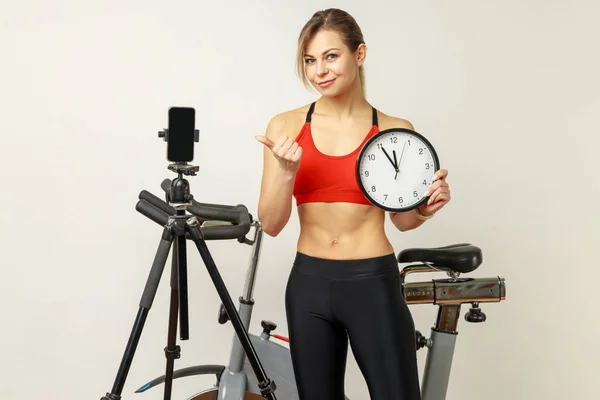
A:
x: 331, y: 56
x: 308, y: 61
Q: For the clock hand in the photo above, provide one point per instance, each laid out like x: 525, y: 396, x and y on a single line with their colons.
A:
x: 402, y: 153
x: 395, y: 164
x: 388, y: 157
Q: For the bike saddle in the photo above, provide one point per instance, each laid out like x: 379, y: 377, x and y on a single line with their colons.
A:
x: 460, y: 257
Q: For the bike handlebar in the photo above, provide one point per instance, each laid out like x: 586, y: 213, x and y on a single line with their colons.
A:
x: 159, y: 211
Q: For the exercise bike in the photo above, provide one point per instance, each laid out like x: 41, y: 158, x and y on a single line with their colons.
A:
x: 237, y: 381
x: 449, y: 295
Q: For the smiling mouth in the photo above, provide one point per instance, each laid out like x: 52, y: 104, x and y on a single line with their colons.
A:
x: 325, y: 83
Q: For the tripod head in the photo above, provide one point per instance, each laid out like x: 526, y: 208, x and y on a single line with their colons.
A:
x: 183, y: 168
x: 178, y: 193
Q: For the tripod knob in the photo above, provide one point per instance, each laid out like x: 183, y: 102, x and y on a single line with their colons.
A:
x: 268, y: 326
x: 164, y: 134
x: 475, y: 314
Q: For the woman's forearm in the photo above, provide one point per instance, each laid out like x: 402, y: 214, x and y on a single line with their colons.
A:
x: 275, y: 204
x: 406, y: 221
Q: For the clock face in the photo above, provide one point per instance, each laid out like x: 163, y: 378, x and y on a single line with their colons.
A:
x: 395, y: 169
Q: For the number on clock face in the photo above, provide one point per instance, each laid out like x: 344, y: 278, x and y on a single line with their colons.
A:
x: 395, y: 169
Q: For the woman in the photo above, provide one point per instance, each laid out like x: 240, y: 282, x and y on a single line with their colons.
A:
x: 344, y: 285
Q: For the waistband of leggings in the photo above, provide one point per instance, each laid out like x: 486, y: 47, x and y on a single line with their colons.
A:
x: 345, y: 269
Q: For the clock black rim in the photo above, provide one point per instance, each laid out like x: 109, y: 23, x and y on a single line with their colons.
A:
x: 436, y: 161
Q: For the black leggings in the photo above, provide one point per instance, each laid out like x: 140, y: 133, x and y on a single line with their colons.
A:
x: 329, y: 302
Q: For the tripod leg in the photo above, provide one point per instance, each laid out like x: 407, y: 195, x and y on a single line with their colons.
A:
x: 183, y: 286
x: 145, y: 304
x: 178, y: 300
x: 266, y: 386
x: 172, y: 351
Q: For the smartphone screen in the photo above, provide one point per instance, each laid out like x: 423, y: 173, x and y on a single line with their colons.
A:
x: 180, y: 143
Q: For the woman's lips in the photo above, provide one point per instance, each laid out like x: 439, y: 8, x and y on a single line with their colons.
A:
x: 324, y: 84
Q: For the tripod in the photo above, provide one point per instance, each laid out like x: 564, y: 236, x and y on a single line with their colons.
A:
x: 178, y: 226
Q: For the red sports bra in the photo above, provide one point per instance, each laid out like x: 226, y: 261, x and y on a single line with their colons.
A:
x: 327, y: 178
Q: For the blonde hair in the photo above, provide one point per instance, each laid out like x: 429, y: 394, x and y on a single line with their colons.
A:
x: 336, y: 20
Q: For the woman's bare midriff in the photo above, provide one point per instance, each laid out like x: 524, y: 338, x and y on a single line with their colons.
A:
x: 339, y: 230
x: 342, y: 231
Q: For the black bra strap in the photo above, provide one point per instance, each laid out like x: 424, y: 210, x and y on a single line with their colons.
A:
x: 312, y: 109
x: 309, y: 113
x: 375, y: 122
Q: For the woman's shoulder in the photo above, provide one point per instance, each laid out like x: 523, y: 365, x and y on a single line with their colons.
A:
x: 389, y: 121
x: 288, y: 122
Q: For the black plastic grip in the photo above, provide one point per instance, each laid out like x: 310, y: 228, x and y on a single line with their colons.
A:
x: 156, y: 202
x: 159, y: 211
x: 225, y: 232
x: 155, y: 214
x: 237, y: 215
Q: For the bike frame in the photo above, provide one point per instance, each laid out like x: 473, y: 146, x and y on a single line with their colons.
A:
x: 449, y: 294
x: 237, y: 376
x: 233, y: 377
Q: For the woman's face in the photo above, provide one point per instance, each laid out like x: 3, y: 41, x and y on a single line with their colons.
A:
x: 330, y: 65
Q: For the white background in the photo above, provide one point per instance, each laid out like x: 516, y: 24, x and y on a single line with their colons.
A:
x: 508, y: 92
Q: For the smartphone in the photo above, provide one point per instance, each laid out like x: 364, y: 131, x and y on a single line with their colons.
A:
x: 180, y: 141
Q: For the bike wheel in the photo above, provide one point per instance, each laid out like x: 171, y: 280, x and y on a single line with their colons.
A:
x: 211, y: 394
